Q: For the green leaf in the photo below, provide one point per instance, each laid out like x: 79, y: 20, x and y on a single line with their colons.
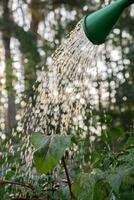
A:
x: 84, y: 185
x: 102, y: 190
x: 63, y: 193
x: 9, y: 174
x: 50, y: 150
x: 38, y: 140
x: 117, y: 176
x: 129, y: 143
x: 116, y: 132
x: 128, y: 157
x: 105, y: 137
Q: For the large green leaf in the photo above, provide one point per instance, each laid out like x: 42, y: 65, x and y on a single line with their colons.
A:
x: 84, y: 185
x: 49, y: 150
x: 38, y: 140
x: 117, y: 175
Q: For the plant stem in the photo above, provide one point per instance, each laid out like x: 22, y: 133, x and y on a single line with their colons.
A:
x: 3, y: 182
x: 67, y: 176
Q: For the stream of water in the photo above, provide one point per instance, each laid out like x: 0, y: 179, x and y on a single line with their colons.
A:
x: 62, y: 95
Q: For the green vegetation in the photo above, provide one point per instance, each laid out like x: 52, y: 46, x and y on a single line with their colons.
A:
x: 107, y: 174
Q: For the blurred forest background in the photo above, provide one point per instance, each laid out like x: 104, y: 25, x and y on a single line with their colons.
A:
x: 31, y: 30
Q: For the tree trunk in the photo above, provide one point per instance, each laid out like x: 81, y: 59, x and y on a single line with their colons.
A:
x: 30, y: 75
x: 36, y: 15
x: 11, y: 110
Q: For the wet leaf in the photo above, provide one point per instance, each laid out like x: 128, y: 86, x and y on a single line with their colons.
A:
x: 49, y: 150
x: 116, y: 177
x: 84, y: 185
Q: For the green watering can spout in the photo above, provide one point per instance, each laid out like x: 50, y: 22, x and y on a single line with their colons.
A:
x: 99, y: 24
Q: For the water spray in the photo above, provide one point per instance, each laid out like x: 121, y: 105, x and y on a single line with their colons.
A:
x: 99, y: 24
